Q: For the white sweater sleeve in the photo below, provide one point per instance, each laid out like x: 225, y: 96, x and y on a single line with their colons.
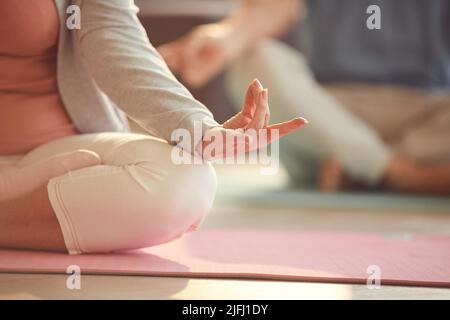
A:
x: 128, y: 69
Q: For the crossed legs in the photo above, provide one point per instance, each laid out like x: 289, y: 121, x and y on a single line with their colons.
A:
x: 135, y: 198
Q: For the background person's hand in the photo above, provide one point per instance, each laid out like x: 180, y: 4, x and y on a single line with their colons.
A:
x: 202, y: 54
x: 255, y: 115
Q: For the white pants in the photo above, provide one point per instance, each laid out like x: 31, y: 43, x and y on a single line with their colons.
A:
x: 137, y: 198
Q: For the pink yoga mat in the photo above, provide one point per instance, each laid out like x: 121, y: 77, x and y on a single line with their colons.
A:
x: 282, y: 255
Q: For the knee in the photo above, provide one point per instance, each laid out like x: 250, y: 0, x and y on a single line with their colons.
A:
x: 162, y: 200
x: 192, y: 190
x: 183, y: 200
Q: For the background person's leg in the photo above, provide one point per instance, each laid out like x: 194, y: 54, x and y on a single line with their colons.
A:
x: 428, y: 140
x: 392, y: 110
x: 137, y: 198
x: 333, y: 132
x: 415, y: 123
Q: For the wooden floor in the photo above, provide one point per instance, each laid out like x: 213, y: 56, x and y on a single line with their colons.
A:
x: 230, y: 215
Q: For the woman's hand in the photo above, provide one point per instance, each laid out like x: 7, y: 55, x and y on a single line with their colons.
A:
x: 249, y: 129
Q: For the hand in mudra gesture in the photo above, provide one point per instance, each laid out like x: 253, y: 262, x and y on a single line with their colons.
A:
x: 249, y: 128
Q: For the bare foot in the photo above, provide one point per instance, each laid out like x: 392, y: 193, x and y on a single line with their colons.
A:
x: 28, y: 222
x: 330, y: 176
x: 19, y: 180
x: 406, y: 175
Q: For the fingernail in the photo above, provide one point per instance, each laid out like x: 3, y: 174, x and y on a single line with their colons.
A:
x: 265, y: 93
x: 258, y: 83
x: 305, y: 121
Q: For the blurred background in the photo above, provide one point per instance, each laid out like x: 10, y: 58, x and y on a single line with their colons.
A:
x: 390, y: 61
x: 168, y: 20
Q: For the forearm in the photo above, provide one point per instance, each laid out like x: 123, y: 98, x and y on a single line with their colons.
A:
x: 255, y: 20
x: 128, y: 69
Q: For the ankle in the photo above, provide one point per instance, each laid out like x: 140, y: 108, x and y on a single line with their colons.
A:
x: 404, y: 175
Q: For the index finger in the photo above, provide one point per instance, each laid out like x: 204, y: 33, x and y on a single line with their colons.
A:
x: 274, y: 132
x: 284, y: 128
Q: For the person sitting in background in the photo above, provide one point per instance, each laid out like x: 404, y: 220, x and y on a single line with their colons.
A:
x: 378, y: 100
